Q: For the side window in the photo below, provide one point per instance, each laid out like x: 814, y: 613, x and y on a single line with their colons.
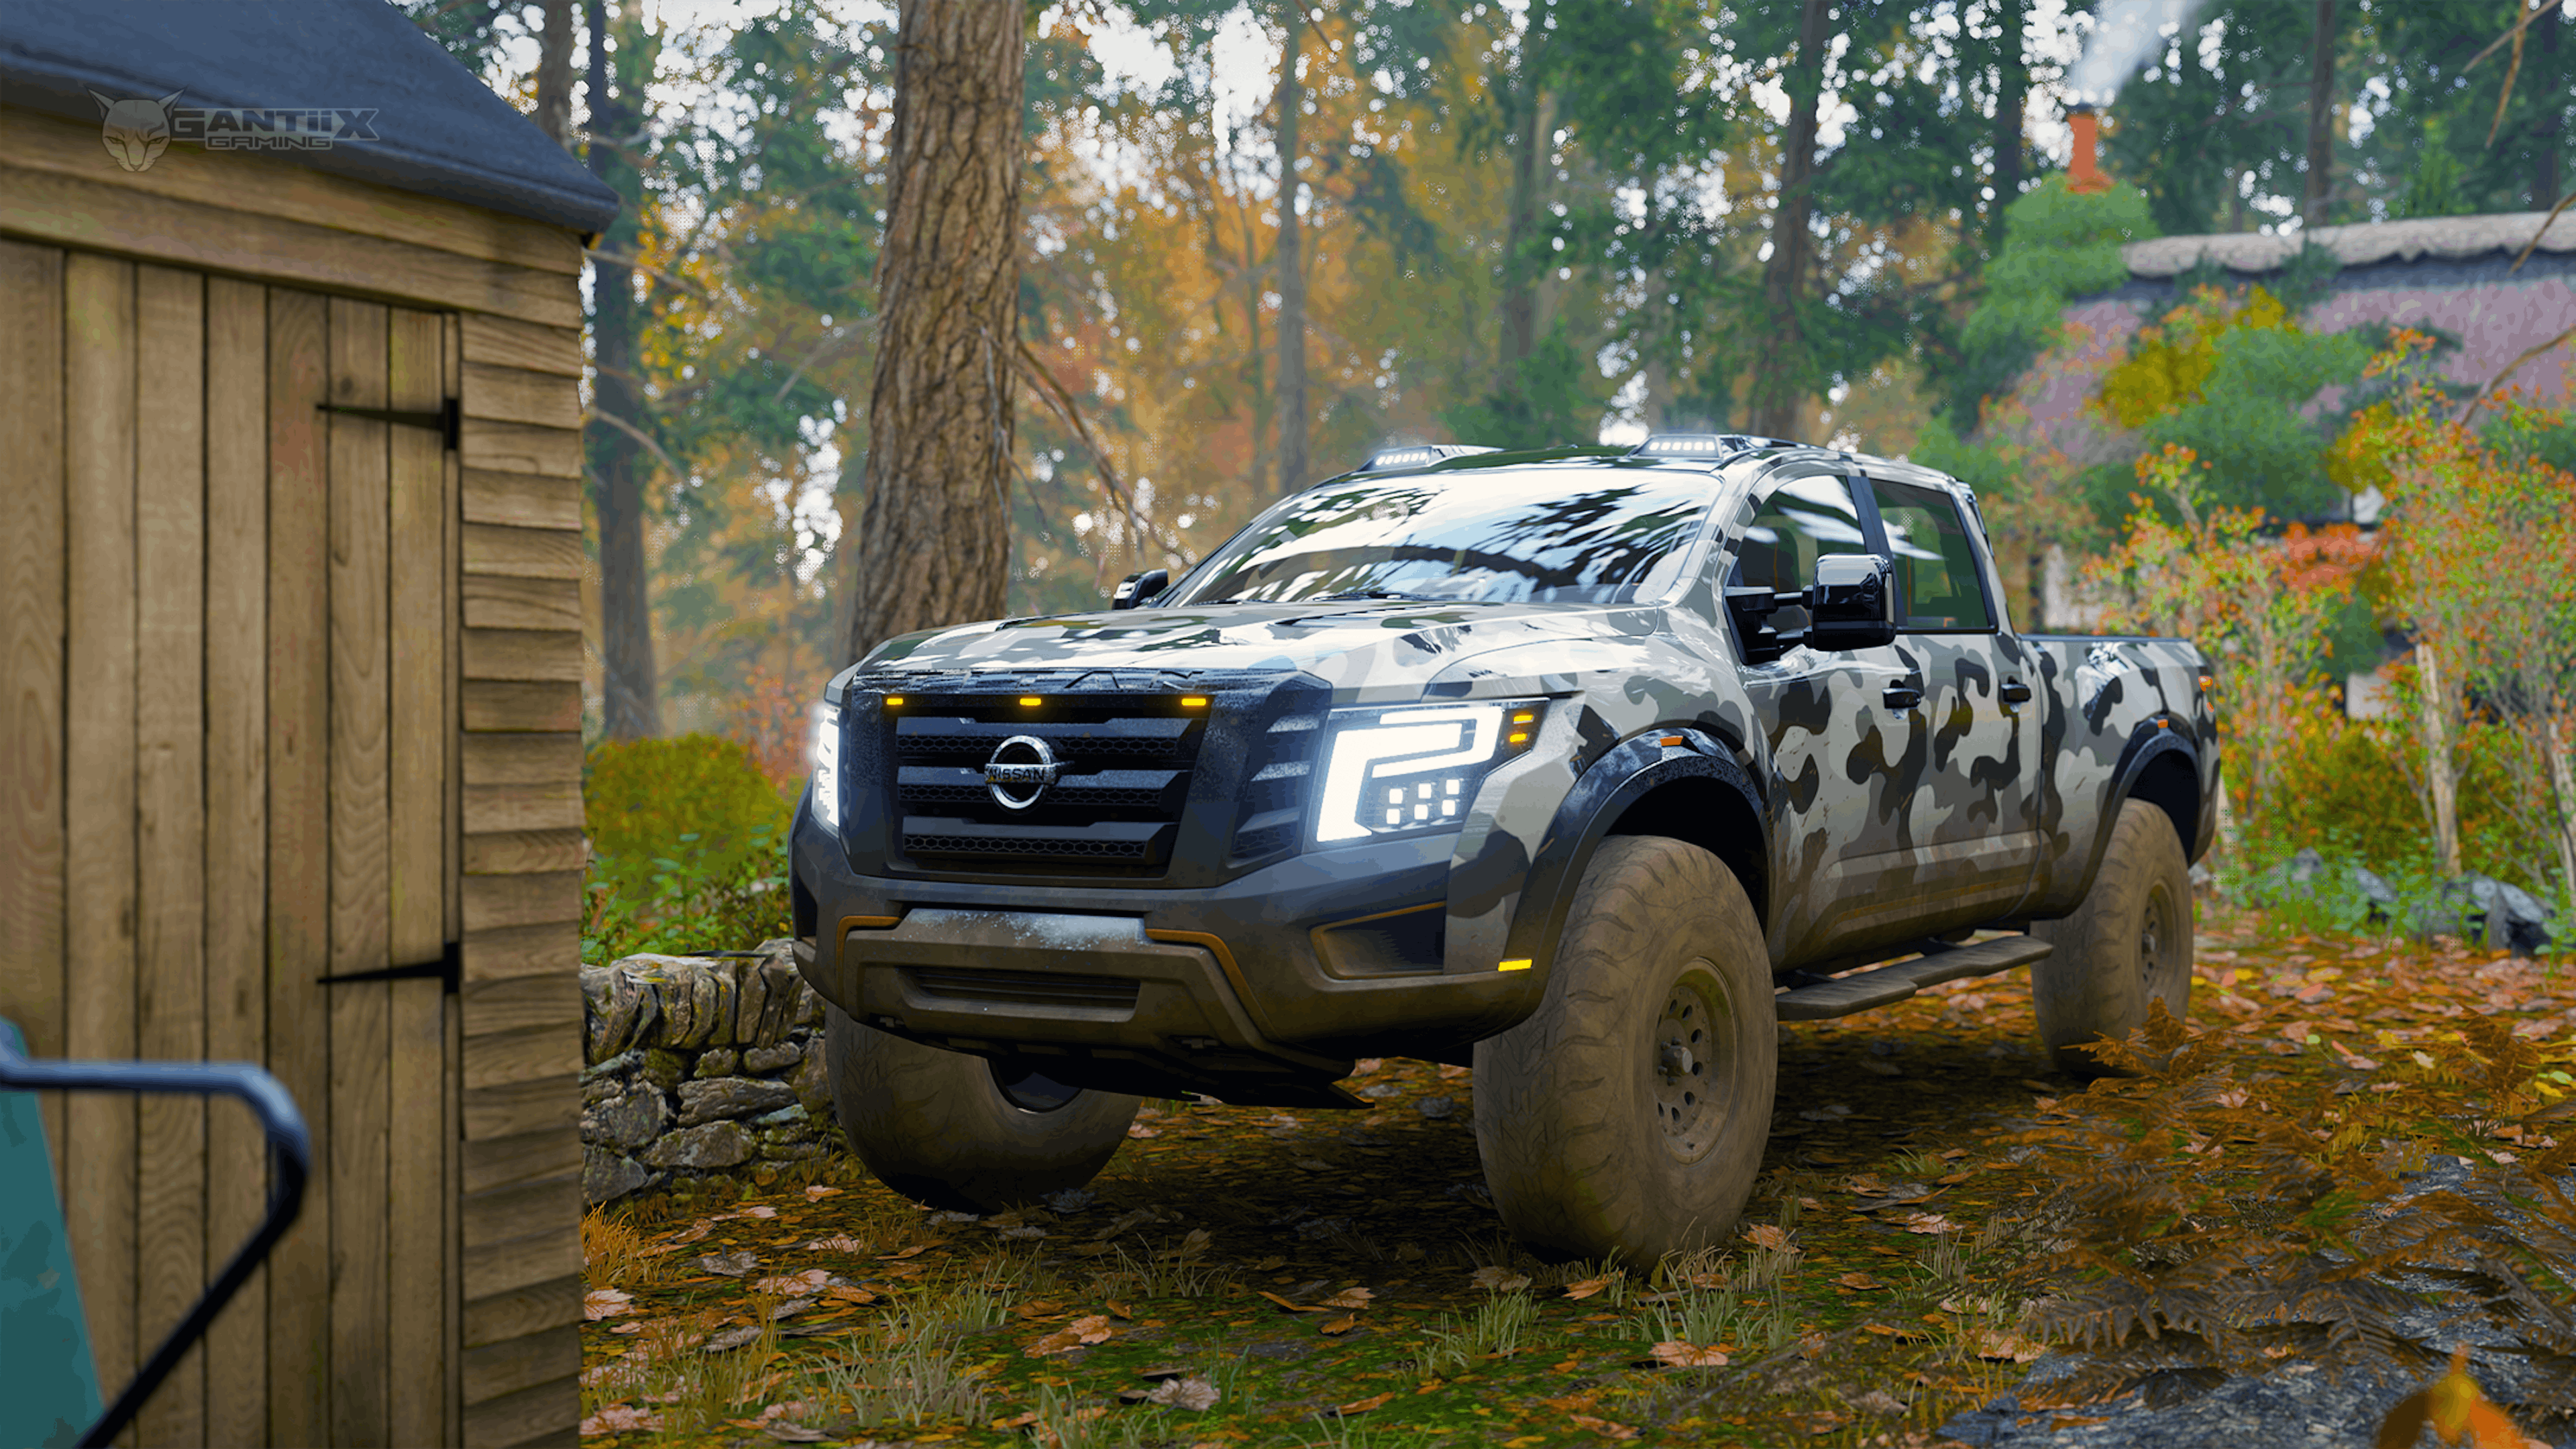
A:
x: 1801, y: 521
x: 1937, y: 578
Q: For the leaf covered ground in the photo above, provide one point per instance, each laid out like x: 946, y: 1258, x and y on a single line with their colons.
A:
x: 1939, y: 1213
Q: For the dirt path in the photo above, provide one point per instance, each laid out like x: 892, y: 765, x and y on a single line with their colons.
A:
x: 1271, y: 1277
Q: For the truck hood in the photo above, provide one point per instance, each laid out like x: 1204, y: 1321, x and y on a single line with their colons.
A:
x: 1399, y: 642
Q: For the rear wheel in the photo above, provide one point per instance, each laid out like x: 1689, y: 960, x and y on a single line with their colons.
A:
x: 958, y: 1131
x: 1629, y: 1113
x: 2129, y: 944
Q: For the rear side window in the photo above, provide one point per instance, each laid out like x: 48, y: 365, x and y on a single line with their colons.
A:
x: 1941, y: 587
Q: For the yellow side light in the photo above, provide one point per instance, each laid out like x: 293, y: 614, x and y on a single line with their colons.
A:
x: 1523, y: 717
x: 1521, y: 738
x: 1031, y: 701
x: 1193, y: 701
x: 1523, y: 964
x: 894, y: 699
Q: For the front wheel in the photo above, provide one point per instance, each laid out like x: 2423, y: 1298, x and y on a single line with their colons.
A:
x: 2129, y: 944
x: 958, y: 1131
x: 1629, y: 1113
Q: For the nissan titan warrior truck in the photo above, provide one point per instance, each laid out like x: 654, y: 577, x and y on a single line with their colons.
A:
x: 1583, y: 767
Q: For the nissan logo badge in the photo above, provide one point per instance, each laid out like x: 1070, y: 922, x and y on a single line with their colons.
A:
x: 1020, y: 772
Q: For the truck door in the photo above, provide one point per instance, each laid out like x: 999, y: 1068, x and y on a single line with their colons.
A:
x: 1976, y: 811
x: 1846, y: 766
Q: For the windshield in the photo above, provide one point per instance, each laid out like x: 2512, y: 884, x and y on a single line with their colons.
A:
x: 1525, y: 535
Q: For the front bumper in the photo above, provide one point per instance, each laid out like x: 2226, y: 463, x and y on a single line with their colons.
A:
x: 1244, y: 991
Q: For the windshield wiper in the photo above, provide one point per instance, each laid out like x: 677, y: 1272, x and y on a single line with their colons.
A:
x: 1373, y: 594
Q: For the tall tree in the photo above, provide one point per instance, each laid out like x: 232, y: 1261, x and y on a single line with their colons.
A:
x: 2321, y: 71
x: 554, y: 73
x: 2012, y: 97
x: 1780, y: 383
x: 632, y: 707
x: 933, y: 542
x: 1291, y: 101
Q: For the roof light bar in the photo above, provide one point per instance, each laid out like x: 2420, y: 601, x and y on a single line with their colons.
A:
x: 1419, y: 455
x: 1701, y: 445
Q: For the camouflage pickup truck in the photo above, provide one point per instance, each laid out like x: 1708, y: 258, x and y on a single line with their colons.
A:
x: 1586, y: 767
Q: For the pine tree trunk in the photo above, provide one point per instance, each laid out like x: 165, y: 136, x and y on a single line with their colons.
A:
x: 1291, y: 100
x: 1778, y: 390
x: 632, y: 706
x: 2441, y: 777
x: 933, y: 544
x: 554, y: 73
x: 2012, y: 93
x: 2320, y: 192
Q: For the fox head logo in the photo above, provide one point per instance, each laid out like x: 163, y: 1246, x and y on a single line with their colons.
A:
x: 135, y: 132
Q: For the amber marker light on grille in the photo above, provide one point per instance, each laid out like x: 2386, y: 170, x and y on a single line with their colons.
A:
x: 1193, y: 701
x: 1522, y: 964
x: 893, y: 699
x: 1524, y: 717
x: 1030, y: 701
x: 1521, y: 737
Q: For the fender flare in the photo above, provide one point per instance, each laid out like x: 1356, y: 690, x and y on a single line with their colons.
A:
x: 2154, y: 738
x: 1624, y: 774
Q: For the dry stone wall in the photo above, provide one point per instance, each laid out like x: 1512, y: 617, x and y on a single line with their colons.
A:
x: 700, y: 1066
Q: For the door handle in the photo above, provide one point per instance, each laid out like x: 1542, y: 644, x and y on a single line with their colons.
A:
x: 1903, y: 694
x: 2016, y: 692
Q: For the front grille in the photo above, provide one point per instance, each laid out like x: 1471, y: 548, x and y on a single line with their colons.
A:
x: 1124, y: 763
x: 1024, y: 988
x: 1148, y: 789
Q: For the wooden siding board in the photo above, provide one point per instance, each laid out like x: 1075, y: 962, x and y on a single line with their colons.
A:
x: 98, y: 1143
x: 502, y: 1368
x: 499, y: 1161
x: 513, y: 1108
x: 235, y: 180
x: 547, y: 1413
x: 498, y: 603
x: 418, y: 1329
x: 299, y: 841
x: 523, y: 759
x: 516, y: 395
x: 550, y: 1051
x: 509, y: 342
x: 554, y: 1303
x: 516, y: 1002
x: 493, y: 704
x: 508, y: 952
x: 170, y: 822
x: 515, y: 808
x: 361, y: 1045
x: 94, y: 214
x: 33, y: 559
x: 526, y: 553
x: 529, y: 655
x: 236, y: 831
x: 522, y: 448
x: 503, y: 1264
x: 501, y: 1214
x: 493, y: 901
x: 522, y: 852
x: 523, y: 500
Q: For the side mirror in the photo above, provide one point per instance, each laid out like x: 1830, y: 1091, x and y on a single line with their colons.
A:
x: 1135, y: 589
x: 1852, y: 603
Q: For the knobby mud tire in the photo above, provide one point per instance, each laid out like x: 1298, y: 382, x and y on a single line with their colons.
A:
x: 2128, y: 944
x: 935, y: 1126
x: 1588, y: 1147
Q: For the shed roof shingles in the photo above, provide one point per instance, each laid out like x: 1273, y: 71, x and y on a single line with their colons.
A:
x: 2445, y: 238
x: 441, y: 132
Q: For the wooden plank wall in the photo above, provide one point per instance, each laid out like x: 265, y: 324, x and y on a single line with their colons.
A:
x: 287, y: 693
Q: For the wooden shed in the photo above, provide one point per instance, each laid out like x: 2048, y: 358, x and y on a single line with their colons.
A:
x: 290, y: 661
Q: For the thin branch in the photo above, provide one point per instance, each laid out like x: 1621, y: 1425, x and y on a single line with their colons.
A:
x: 2546, y: 223
x: 2514, y: 34
x: 1060, y: 402
x: 597, y: 415
x: 2497, y: 381
x: 630, y: 263
x: 812, y: 357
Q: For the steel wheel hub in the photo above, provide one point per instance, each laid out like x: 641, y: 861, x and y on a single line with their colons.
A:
x: 1685, y: 1088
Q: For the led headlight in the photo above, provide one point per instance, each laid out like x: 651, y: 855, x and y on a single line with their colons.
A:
x: 1415, y: 768
x: 827, y: 766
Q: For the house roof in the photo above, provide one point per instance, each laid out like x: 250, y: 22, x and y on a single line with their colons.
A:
x: 2443, y: 238
x: 438, y: 130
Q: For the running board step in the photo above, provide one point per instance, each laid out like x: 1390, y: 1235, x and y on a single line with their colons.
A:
x: 1843, y: 995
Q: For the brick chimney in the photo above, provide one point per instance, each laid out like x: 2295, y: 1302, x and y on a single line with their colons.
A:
x: 2082, y: 175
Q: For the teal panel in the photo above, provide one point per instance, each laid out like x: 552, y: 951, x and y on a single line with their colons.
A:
x: 48, y: 1380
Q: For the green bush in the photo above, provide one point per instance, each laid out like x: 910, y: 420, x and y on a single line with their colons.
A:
x: 688, y: 848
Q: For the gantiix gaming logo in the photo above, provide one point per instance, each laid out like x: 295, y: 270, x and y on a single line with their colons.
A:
x: 136, y: 132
